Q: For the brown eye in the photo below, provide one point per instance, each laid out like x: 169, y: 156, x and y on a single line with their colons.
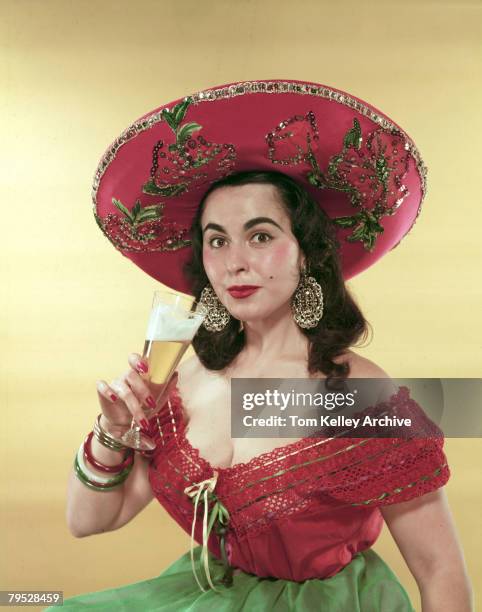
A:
x: 265, y: 234
x: 211, y: 242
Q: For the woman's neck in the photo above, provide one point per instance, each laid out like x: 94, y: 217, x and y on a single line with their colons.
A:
x: 274, y: 339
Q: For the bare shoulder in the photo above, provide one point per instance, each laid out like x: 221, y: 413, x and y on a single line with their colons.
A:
x: 361, y: 367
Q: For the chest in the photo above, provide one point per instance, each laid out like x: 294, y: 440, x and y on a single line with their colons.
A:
x: 207, y: 409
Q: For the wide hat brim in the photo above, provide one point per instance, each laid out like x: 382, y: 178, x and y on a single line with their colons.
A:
x: 362, y: 169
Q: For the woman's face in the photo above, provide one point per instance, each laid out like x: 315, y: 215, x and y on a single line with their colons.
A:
x: 247, y: 240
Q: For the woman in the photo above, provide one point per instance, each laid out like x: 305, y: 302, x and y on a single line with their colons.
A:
x: 293, y: 521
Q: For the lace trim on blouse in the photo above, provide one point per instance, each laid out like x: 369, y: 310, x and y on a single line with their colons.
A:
x: 336, y: 472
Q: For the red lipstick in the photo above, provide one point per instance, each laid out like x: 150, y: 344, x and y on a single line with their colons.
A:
x: 242, y: 291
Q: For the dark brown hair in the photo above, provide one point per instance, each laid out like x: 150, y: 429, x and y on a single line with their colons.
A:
x: 342, y: 324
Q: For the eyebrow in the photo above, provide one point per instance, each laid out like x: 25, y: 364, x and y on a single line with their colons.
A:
x: 248, y: 225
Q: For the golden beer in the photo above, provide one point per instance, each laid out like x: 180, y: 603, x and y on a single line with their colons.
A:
x: 173, y: 323
x: 163, y: 357
x: 171, y: 328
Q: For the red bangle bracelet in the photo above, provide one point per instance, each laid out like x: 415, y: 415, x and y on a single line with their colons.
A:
x: 128, y: 458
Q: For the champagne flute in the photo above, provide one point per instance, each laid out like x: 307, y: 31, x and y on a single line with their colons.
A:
x: 173, y: 322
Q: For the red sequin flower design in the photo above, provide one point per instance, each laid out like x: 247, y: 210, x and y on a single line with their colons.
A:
x: 189, y: 160
x: 370, y: 173
x: 142, y: 229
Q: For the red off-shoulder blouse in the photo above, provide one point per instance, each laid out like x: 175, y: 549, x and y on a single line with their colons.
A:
x: 302, y: 510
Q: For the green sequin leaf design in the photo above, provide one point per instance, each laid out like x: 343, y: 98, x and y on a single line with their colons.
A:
x: 182, y: 132
x: 167, y: 191
x: 366, y: 229
x: 184, y: 155
x: 318, y: 179
x: 365, y: 223
x: 185, y: 131
x: 139, y: 214
x: 174, y: 117
x: 142, y: 229
x: 118, y: 204
x: 353, y: 138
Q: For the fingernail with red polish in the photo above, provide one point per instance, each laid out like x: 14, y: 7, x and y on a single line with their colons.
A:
x: 150, y: 402
x: 113, y: 397
x: 142, y: 367
x: 144, y: 424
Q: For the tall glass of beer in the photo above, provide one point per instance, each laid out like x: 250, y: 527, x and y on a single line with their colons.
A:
x: 173, y: 322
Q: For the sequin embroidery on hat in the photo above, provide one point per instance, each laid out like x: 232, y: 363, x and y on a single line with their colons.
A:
x: 370, y: 175
x: 186, y: 161
x: 291, y: 140
x: 142, y: 229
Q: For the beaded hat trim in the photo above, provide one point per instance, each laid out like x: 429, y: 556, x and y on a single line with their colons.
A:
x: 368, y: 166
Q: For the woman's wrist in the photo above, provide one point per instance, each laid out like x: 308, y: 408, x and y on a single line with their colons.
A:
x: 115, y: 431
x: 101, y: 452
x: 103, y: 455
x: 98, y: 463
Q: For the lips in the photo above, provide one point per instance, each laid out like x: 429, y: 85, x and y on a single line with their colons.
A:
x: 242, y: 291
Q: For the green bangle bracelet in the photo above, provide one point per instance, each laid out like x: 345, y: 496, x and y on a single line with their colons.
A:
x: 120, y: 476
x: 92, y: 485
x: 111, y: 484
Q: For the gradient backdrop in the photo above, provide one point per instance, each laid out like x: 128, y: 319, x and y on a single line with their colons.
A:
x: 74, y: 75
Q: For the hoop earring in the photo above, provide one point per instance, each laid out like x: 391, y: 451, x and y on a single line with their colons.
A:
x: 307, y: 305
x: 217, y: 316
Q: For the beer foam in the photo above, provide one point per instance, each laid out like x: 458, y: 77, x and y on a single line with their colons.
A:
x: 165, y: 323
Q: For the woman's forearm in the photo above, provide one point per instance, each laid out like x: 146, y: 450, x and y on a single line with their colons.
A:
x: 447, y: 592
x: 89, y: 511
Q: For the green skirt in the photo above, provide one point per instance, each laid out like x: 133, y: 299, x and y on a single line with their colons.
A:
x: 366, y: 584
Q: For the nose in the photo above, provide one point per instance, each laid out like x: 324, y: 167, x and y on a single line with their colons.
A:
x: 236, y: 260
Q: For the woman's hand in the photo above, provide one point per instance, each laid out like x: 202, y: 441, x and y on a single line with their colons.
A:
x: 123, y: 399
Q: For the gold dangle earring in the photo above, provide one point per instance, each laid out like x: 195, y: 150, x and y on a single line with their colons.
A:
x: 307, y: 304
x: 217, y: 316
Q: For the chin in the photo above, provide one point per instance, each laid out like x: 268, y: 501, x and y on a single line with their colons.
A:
x: 251, y: 315
x: 242, y: 313
x: 253, y: 311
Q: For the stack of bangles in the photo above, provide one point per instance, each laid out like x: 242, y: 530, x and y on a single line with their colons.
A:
x: 118, y: 473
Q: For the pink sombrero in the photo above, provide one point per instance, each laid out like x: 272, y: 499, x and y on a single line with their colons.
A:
x: 361, y: 167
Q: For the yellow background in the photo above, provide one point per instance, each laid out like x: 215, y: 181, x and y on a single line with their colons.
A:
x: 74, y: 75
